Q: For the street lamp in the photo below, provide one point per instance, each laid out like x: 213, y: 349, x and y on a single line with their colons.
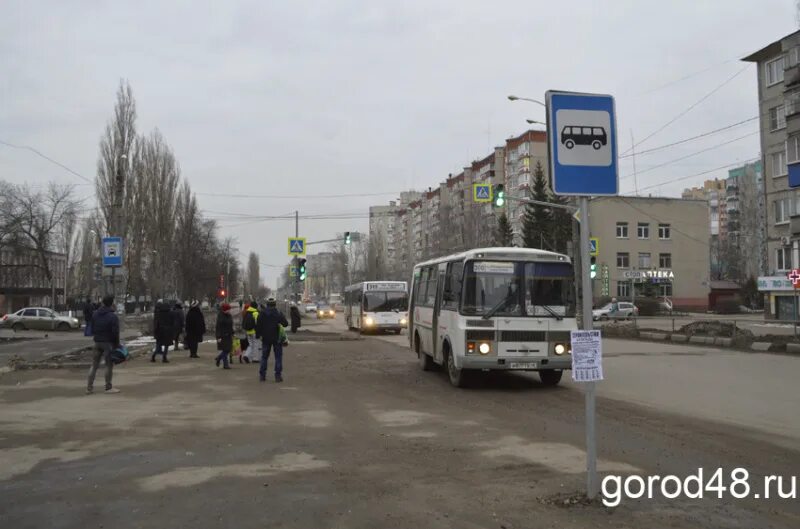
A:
x: 534, y: 122
x: 517, y: 98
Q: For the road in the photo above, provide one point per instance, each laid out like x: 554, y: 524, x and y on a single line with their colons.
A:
x: 37, y: 345
x: 357, y: 436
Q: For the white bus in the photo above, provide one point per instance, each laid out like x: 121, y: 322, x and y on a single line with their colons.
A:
x: 376, y: 306
x: 494, y: 308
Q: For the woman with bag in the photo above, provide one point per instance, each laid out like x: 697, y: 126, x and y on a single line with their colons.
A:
x: 195, y: 328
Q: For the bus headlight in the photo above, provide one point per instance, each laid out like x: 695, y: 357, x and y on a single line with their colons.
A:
x: 403, y: 321
x: 484, y: 348
x: 560, y: 349
x: 369, y: 321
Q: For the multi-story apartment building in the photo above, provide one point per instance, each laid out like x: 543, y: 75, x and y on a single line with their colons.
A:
x: 745, y: 226
x: 23, y: 281
x: 382, y: 220
x: 522, y: 153
x: 778, y: 77
x: 665, y: 240
x: 714, y: 193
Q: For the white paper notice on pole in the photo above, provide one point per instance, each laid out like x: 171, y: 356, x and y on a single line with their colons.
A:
x: 587, y: 356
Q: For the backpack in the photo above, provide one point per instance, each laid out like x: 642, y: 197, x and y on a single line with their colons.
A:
x: 120, y: 355
x: 249, y: 322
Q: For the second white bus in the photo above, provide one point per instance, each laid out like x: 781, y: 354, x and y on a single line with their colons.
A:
x: 376, y: 306
x: 494, y: 309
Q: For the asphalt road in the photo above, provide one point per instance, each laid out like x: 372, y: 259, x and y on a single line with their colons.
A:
x: 37, y: 345
x: 358, y: 437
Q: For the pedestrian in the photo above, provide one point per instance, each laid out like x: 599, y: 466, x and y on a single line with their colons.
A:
x: 105, y: 325
x: 267, y: 329
x: 241, y: 303
x: 163, y: 322
x: 294, y: 314
x: 224, y: 334
x: 195, y: 328
x: 249, y: 320
x: 88, y: 310
x: 179, y: 320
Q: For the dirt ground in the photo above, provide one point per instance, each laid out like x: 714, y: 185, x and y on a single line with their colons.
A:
x: 356, y: 437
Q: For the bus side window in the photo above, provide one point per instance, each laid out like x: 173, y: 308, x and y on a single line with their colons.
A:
x: 452, y: 286
x: 419, y: 287
x: 430, y: 293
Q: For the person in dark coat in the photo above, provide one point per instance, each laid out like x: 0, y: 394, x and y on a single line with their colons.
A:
x: 179, y: 320
x: 88, y: 310
x: 106, y: 338
x: 195, y: 328
x: 294, y: 314
x: 224, y: 334
x: 163, y: 324
x: 267, y: 329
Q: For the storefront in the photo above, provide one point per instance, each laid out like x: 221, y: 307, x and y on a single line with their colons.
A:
x: 780, y: 298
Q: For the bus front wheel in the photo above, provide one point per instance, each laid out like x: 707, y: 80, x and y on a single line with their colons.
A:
x: 425, y: 361
x: 458, y: 377
x: 550, y: 377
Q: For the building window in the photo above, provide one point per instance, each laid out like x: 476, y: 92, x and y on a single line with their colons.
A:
x: 793, y: 149
x: 664, y: 232
x: 623, y: 260
x: 665, y: 260
x: 622, y: 230
x: 643, y: 230
x: 644, y: 260
x: 777, y: 117
x: 623, y: 289
x: 778, y: 160
x: 783, y: 259
x: 782, y: 210
x: 665, y: 290
x: 773, y: 71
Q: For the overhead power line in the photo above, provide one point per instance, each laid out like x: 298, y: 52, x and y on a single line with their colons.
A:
x: 679, y: 142
x: 679, y: 179
x: 344, y: 195
x: 687, y: 110
x: 42, y: 155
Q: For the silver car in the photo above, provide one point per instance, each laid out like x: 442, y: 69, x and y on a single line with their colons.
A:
x: 625, y: 311
x: 39, y: 318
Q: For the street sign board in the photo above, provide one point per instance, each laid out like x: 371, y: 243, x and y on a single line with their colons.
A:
x: 292, y: 271
x: 582, y: 143
x: 594, y: 246
x: 633, y: 274
x: 297, y: 245
x: 112, y: 251
x: 587, y: 356
x: 482, y: 192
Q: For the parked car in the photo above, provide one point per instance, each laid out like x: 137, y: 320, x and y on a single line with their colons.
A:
x: 625, y: 311
x: 325, y: 311
x: 39, y: 318
x: 311, y: 308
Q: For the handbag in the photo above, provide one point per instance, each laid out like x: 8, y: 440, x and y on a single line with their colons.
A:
x: 87, y: 330
x: 282, y: 338
x: 120, y: 354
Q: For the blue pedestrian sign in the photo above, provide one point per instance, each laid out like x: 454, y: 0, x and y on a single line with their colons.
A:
x: 594, y: 246
x: 482, y: 192
x: 112, y: 251
x: 297, y: 245
x: 582, y: 143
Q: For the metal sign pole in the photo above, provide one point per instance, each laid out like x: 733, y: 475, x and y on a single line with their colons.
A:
x: 586, y: 319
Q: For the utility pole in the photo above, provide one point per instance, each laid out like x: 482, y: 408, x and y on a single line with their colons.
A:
x: 586, y: 324
x: 116, y: 227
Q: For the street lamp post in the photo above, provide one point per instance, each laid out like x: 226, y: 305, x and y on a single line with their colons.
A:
x: 517, y: 98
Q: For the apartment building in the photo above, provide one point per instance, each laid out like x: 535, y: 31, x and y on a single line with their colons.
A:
x: 382, y: 244
x: 522, y: 153
x: 662, y: 240
x: 745, y: 224
x: 778, y: 78
x: 714, y: 193
x: 23, y: 282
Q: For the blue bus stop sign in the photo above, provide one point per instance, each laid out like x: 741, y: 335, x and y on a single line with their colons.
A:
x: 112, y: 251
x: 582, y: 143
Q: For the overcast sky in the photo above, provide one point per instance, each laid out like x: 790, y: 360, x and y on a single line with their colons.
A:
x: 325, y: 98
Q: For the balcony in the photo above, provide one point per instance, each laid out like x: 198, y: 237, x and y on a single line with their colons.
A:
x: 791, y: 74
x: 794, y: 224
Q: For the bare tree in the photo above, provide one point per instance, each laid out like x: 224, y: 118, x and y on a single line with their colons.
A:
x: 253, y: 274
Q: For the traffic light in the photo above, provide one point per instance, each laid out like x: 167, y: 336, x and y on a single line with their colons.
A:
x: 347, y: 239
x: 301, y: 269
x: 222, y: 292
x: 593, y: 267
x: 499, y: 196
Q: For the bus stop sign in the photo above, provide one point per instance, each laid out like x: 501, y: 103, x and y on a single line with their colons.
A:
x: 582, y: 143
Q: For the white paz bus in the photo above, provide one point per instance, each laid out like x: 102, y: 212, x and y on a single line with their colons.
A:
x: 494, y: 308
x: 376, y: 306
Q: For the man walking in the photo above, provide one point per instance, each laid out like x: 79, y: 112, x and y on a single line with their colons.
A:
x: 195, y: 328
x: 163, y: 324
x: 105, y: 327
x: 267, y: 329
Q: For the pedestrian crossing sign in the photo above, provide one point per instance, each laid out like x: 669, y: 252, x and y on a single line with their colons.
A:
x: 594, y: 246
x: 297, y: 245
x: 292, y: 271
x: 481, y: 192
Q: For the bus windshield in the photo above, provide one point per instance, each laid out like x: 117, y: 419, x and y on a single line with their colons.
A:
x: 385, y: 301
x: 506, y: 288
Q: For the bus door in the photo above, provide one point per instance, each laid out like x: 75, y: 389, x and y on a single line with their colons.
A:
x: 437, y: 308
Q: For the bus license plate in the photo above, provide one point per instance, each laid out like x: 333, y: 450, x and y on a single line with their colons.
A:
x: 523, y: 365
